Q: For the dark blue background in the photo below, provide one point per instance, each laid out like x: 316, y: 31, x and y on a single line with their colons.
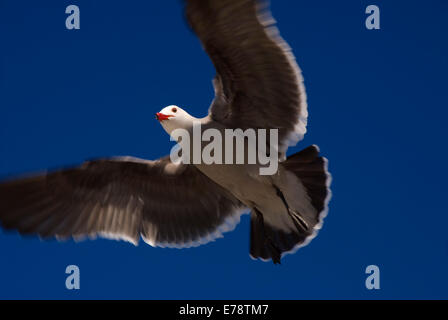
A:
x: 377, y: 103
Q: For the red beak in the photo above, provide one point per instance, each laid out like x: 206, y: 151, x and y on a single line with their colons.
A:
x: 161, y: 116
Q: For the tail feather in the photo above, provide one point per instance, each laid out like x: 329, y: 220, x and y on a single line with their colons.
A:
x: 311, y: 170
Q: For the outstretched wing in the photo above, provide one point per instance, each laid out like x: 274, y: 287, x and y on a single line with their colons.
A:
x: 258, y: 82
x: 122, y: 198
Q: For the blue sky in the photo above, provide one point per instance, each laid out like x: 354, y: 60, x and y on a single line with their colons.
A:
x: 378, y: 109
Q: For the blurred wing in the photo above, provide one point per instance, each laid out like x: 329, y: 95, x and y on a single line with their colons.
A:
x: 258, y: 82
x: 122, y: 198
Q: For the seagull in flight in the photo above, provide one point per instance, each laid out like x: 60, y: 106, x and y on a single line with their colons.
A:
x: 258, y: 85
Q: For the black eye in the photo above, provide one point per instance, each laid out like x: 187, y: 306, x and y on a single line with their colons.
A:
x: 174, y: 110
